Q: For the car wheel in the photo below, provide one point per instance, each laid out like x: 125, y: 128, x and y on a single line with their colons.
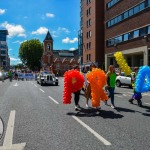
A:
x: 118, y: 83
x: 56, y: 83
x: 41, y: 83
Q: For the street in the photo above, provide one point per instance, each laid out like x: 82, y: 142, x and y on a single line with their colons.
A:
x: 36, y: 119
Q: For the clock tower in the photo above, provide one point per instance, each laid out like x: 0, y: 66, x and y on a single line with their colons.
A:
x: 47, y: 58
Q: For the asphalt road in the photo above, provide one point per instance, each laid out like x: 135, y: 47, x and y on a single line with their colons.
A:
x: 35, y: 116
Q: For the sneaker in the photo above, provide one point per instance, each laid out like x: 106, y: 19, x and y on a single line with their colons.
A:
x: 112, y: 106
x: 131, y: 101
x: 77, y: 108
x: 87, y: 106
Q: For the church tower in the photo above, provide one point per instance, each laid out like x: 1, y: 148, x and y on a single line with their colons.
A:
x: 47, y: 58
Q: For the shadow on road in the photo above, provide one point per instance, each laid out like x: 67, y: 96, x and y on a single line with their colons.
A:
x: 119, y: 109
x: 93, y: 113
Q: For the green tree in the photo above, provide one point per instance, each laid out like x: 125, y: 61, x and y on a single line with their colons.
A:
x: 30, y: 53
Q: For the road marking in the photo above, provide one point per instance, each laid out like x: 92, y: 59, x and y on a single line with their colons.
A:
x: 42, y: 90
x: 35, y: 85
x: 15, y: 84
x: 7, y: 144
x: 53, y: 100
x: 92, y: 131
x: 147, y: 103
x: 124, y: 94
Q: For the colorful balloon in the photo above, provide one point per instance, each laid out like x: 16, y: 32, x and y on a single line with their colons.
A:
x: 97, y: 79
x: 73, y: 81
x: 122, y: 63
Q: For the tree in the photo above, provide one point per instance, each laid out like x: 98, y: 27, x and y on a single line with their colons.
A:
x: 30, y: 53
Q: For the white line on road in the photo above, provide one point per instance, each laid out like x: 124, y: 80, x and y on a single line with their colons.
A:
x: 92, y: 131
x: 147, y: 103
x: 53, y: 100
x: 7, y: 144
x: 124, y: 94
x: 42, y: 90
x: 35, y: 85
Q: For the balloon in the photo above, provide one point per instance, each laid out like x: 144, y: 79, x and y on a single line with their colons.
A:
x: 142, y: 83
x: 73, y: 81
x: 122, y: 63
x: 97, y: 79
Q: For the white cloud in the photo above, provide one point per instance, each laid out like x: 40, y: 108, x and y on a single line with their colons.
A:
x: 14, y: 59
x: 68, y: 40
x: 2, y: 11
x: 16, y: 41
x: 14, y: 30
x: 49, y: 15
x: 71, y: 49
x: 59, y: 31
x: 10, y: 49
x: 41, y: 30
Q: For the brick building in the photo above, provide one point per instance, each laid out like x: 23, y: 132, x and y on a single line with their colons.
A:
x: 58, y: 61
x: 91, y: 34
x: 127, y: 29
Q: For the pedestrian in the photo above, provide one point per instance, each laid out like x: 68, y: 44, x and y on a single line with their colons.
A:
x: 88, y: 86
x: 10, y: 75
x: 111, y: 82
x: 77, y: 94
x: 136, y: 95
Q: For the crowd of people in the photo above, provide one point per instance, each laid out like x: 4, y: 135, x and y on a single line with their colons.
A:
x: 109, y: 88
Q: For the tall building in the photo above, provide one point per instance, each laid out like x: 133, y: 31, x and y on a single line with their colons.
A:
x: 127, y: 29
x: 4, y: 58
x: 91, y: 34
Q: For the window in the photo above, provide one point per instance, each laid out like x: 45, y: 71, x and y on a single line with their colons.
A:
x: 148, y: 29
x: 126, y: 15
x: 90, y: 34
x: 90, y: 11
x: 126, y: 37
x: 136, y: 9
x: 141, y: 6
x: 87, y: 35
x: 143, y: 31
x: 89, y: 57
x: 130, y: 12
x: 119, y: 18
x: 90, y: 22
x: 89, y: 45
x: 130, y: 35
x: 136, y: 33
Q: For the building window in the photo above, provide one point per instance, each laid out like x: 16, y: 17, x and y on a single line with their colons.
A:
x: 136, y: 33
x: 111, y: 3
x: 89, y: 45
x: 143, y: 31
x: 90, y: 34
x: 90, y: 22
x: 89, y: 57
x: 148, y: 29
x: 126, y: 37
x: 128, y: 13
x: 87, y: 35
x: 90, y: 11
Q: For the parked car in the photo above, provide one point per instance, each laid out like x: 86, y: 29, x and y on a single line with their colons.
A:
x: 2, y: 76
x: 47, y: 77
x: 122, y: 79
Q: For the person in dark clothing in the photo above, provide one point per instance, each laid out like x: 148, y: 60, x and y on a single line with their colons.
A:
x: 77, y: 94
x: 136, y: 95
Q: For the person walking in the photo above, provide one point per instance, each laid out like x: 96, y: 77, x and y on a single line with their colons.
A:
x: 136, y: 95
x: 10, y: 75
x: 77, y: 94
x: 111, y: 82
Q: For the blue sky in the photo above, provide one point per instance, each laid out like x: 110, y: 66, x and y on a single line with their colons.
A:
x: 31, y: 19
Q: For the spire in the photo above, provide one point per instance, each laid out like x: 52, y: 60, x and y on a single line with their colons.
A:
x: 48, y: 37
